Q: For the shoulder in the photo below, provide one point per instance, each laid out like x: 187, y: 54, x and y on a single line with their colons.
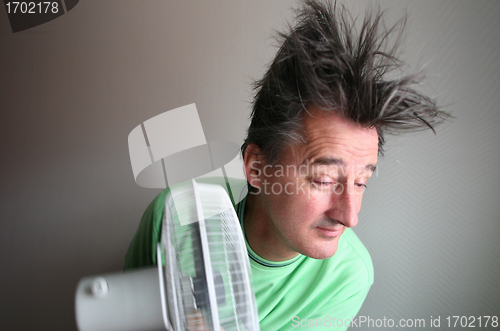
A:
x: 142, y: 248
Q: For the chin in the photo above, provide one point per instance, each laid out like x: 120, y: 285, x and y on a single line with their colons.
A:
x: 321, y: 253
x: 322, y: 256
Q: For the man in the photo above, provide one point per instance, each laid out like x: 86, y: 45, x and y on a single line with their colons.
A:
x: 318, y: 123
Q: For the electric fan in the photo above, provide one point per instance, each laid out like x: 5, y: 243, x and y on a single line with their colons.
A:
x: 202, y: 281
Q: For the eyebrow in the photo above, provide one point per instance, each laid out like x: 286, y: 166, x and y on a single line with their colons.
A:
x: 340, y: 162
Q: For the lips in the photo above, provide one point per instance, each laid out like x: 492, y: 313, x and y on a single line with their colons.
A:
x: 331, y: 232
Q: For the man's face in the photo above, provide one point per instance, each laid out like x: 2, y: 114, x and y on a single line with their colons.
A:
x: 315, y: 193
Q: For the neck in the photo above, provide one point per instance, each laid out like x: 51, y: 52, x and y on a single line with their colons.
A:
x: 261, y: 234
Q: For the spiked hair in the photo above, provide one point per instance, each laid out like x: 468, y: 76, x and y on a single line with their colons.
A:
x: 322, y: 62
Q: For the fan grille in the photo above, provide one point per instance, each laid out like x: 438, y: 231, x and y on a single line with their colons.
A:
x: 185, y: 260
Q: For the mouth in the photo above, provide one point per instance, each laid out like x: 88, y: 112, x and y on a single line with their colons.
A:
x: 331, y: 232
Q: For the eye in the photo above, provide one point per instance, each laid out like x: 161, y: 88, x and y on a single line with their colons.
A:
x: 360, y: 186
x: 322, y: 181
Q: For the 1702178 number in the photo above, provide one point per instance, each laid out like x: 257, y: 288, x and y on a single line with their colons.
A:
x: 32, y: 7
x: 472, y: 321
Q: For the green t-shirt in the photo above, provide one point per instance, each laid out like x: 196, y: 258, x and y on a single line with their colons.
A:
x: 302, y: 292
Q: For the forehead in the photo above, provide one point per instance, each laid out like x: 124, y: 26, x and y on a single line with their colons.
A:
x: 328, y: 135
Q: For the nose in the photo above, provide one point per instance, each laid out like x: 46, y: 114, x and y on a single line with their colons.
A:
x: 345, y: 207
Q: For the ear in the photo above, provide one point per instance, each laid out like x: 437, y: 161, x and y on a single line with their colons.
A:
x: 253, y: 163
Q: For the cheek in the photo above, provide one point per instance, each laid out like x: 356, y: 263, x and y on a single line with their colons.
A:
x: 316, y: 201
x: 297, y: 203
x: 308, y: 209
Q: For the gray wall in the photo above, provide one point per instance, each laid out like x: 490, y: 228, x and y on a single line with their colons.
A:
x: 71, y: 91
